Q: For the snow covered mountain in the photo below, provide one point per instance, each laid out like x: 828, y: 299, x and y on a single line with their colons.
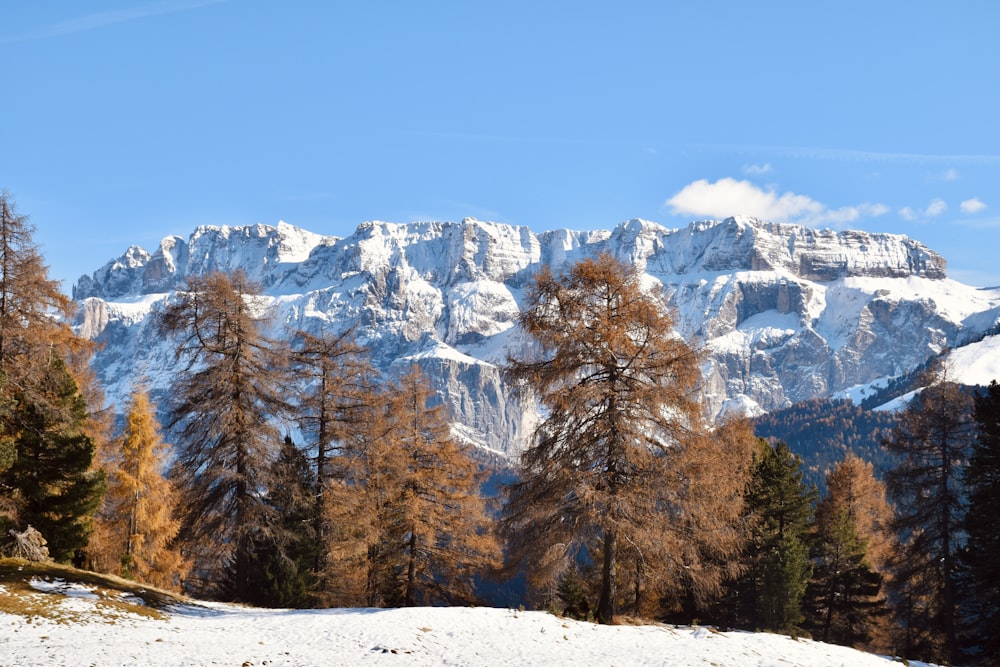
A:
x: 786, y: 312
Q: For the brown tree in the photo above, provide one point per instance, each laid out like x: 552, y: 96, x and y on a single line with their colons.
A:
x: 409, y: 506
x: 137, y: 526
x: 225, y: 400
x: 618, y: 389
x: 337, y: 386
x: 933, y: 441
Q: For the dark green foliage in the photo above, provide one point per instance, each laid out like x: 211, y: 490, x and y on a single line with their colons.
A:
x: 822, y: 431
x: 57, y: 492
x: 769, y: 594
x: 571, y: 594
x: 842, y: 598
x: 282, y: 566
x: 981, y: 557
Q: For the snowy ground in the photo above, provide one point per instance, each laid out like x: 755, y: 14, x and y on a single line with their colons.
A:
x: 216, y: 634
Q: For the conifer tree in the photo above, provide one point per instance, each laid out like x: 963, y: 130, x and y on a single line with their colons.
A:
x: 34, y: 339
x: 843, y: 598
x: 283, y: 564
x: 225, y: 400
x: 769, y: 594
x: 932, y: 441
x: 337, y: 383
x: 137, y: 525
x: 407, y: 509
x: 51, y: 478
x: 618, y: 387
x: 854, y: 491
x: 982, y: 524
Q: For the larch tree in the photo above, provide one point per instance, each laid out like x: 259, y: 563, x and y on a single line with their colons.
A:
x: 138, y: 523
x: 337, y: 384
x: 618, y: 389
x: 226, y: 399
x: 932, y: 442
x: 982, y: 525
x: 406, y: 509
x: 447, y: 534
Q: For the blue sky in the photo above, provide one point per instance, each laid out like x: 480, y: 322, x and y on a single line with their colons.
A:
x: 123, y: 122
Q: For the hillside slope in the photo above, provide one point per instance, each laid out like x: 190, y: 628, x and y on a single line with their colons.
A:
x: 190, y: 633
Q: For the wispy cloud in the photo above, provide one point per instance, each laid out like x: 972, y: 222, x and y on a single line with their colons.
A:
x: 847, y: 154
x: 935, y: 208
x: 757, y: 169
x: 727, y: 196
x: 972, y: 206
x: 103, y: 19
x: 950, y: 174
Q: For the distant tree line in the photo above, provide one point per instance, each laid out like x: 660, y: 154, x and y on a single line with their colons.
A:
x: 298, y: 476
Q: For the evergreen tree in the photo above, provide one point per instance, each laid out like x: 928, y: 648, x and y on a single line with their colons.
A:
x: 769, y: 594
x: 618, y: 388
x: 854, y: 491
x: 51, y: 478
x: 842, y: 600
x: 137, y: 525
x: 225, y: 400
x: 982, y: 524
x: 932, y: 440
x: 283, y: 564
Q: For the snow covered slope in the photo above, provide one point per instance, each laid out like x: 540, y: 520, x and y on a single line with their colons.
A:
x: 786, y: 312
x: 217, y: 634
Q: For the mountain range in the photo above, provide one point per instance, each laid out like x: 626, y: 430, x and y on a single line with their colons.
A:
x: 785, y: 312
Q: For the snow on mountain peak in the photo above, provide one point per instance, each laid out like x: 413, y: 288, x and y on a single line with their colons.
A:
x: 786, y: 312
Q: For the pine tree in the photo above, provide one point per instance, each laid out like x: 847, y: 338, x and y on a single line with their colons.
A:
x: 225, y: 400
x: 137, y: 525
x: 932, y: 441
x: 768, y: 596
x: 618, y: 388
x: 283, y: 563
x: 51, y: 478
x: 982, y: 525
x: 843, y: 598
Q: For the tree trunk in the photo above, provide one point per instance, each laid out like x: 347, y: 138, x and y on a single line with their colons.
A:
x: 606, y: 603
x: 411, y: 569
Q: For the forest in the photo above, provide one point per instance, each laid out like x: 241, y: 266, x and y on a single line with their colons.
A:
x: 627, y: 503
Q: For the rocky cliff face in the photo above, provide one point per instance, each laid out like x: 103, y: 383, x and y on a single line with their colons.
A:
x: 786, y: 312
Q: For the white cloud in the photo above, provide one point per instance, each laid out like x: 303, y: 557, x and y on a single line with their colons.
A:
x: 907, y: 213
x: 727, y: 197
x: 972, y: 206
x: 950, y: 174
x: 936, y: 208
x: 757, y: 169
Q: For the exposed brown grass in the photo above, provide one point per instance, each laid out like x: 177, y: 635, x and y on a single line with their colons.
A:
x: 115, y: 598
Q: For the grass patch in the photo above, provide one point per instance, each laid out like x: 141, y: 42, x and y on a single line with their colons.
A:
x: 109, y: 598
